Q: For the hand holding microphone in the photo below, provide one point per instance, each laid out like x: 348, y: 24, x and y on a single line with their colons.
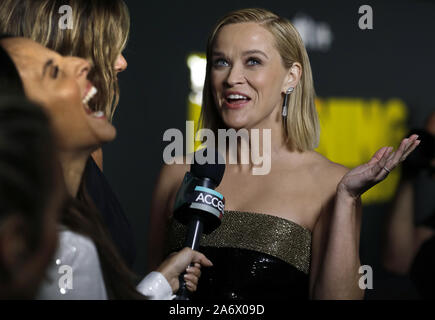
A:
x: 177, y: 263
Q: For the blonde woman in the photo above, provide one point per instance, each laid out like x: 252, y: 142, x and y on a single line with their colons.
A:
x: 101, y: 43
x: 293, y: 233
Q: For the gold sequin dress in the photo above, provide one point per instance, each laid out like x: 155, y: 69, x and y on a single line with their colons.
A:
x: 255, y: 257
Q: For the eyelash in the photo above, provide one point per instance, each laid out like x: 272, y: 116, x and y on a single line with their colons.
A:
x: 55, y: 72
x: 257, y: 61
x: 217, y: 62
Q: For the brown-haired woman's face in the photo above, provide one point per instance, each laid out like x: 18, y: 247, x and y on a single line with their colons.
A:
x: 60, y: 85
x: 247, y: 76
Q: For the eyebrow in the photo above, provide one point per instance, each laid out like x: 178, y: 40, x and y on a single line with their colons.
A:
x: 46, y: 65
x: 245, y: 53
x: 217, y: 53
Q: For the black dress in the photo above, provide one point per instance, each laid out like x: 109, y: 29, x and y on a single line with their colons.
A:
x: 112, y: 213
x: 255, y: 257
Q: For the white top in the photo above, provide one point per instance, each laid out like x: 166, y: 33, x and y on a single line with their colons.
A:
x: 75, y: 274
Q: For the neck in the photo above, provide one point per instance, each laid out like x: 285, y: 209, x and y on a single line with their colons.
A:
x: 274, y: 123
x: 264, y: 141
x: 73, y: 167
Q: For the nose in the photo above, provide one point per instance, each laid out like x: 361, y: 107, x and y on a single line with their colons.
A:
x: 78, y: 67
x: 120, y: 64
x: 84, y: 67
x: 235, y: 75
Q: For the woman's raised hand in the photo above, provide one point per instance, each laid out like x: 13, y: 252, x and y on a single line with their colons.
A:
x: 360, y: 179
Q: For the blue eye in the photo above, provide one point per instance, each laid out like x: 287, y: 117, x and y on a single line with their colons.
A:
x: 253, y: 62
x: 220, y: 63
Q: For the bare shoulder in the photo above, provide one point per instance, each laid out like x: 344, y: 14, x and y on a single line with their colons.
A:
x: 325, y: 171
x: 320, y: 162
x: 174, y: 170
x: 171, y: 175
x: 168, y: 182
x: 326, y: 175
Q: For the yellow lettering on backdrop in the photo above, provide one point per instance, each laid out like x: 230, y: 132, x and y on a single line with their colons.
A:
x: 353, y: 129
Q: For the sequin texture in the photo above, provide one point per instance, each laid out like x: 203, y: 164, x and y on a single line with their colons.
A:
x: 275, y: 236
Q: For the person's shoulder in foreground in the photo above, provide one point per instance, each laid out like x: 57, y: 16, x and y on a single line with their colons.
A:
x: 75, y: 272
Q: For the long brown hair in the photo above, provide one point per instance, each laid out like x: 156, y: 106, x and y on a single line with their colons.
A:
x: 99, y: 34
x: 80, y: 214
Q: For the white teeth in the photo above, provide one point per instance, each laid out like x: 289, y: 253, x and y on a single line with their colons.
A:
x: 98, y: 114
x: 90, y: 95
x: 236, y: 97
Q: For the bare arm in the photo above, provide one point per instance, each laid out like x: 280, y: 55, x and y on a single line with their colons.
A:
x: 158, y: 220
x: 335, y: 264
x: 166, y: 187
x: 335, y: 253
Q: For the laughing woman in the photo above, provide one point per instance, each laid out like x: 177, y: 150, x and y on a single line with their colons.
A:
x: 60, y: 85
x: 102, y: 43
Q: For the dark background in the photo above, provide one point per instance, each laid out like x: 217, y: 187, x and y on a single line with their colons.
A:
x: 395, y: 59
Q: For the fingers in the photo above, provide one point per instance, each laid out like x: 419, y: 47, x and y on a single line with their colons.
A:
x: 411, y: 144
x: 186, y: 260
x: 201, y: 259
x: 378, y: 155
x: 406, y: 147
x: 191, y: 278
x: 411, y: 148
x: 387, y: 155
x: 194, y: 270
x: 379, y: 170
x: 196, y: 257
x: 365, y: 176
x: 191, y: 284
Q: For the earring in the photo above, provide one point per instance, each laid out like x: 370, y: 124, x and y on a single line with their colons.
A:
x: 284, y: 105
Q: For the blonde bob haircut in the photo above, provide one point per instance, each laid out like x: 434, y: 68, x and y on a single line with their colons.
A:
x: 99, y: 34
x: 303, y: 128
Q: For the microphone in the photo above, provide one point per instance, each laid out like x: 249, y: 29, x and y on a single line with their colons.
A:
x: 198, y: 205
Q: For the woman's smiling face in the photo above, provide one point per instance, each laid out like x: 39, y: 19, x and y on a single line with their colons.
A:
x: 247, y: 76
x: 60, y: 85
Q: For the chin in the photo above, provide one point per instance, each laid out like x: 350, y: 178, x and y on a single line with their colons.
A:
x: 102, y: 131
x: 108, y: 135
x: 235, y: 122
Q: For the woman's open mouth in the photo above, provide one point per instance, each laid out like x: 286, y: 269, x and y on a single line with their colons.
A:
x: 89, y: 95
x: 236, y: 100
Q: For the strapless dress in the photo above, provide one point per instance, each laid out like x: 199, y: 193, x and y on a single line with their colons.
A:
x: 255, y: 257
